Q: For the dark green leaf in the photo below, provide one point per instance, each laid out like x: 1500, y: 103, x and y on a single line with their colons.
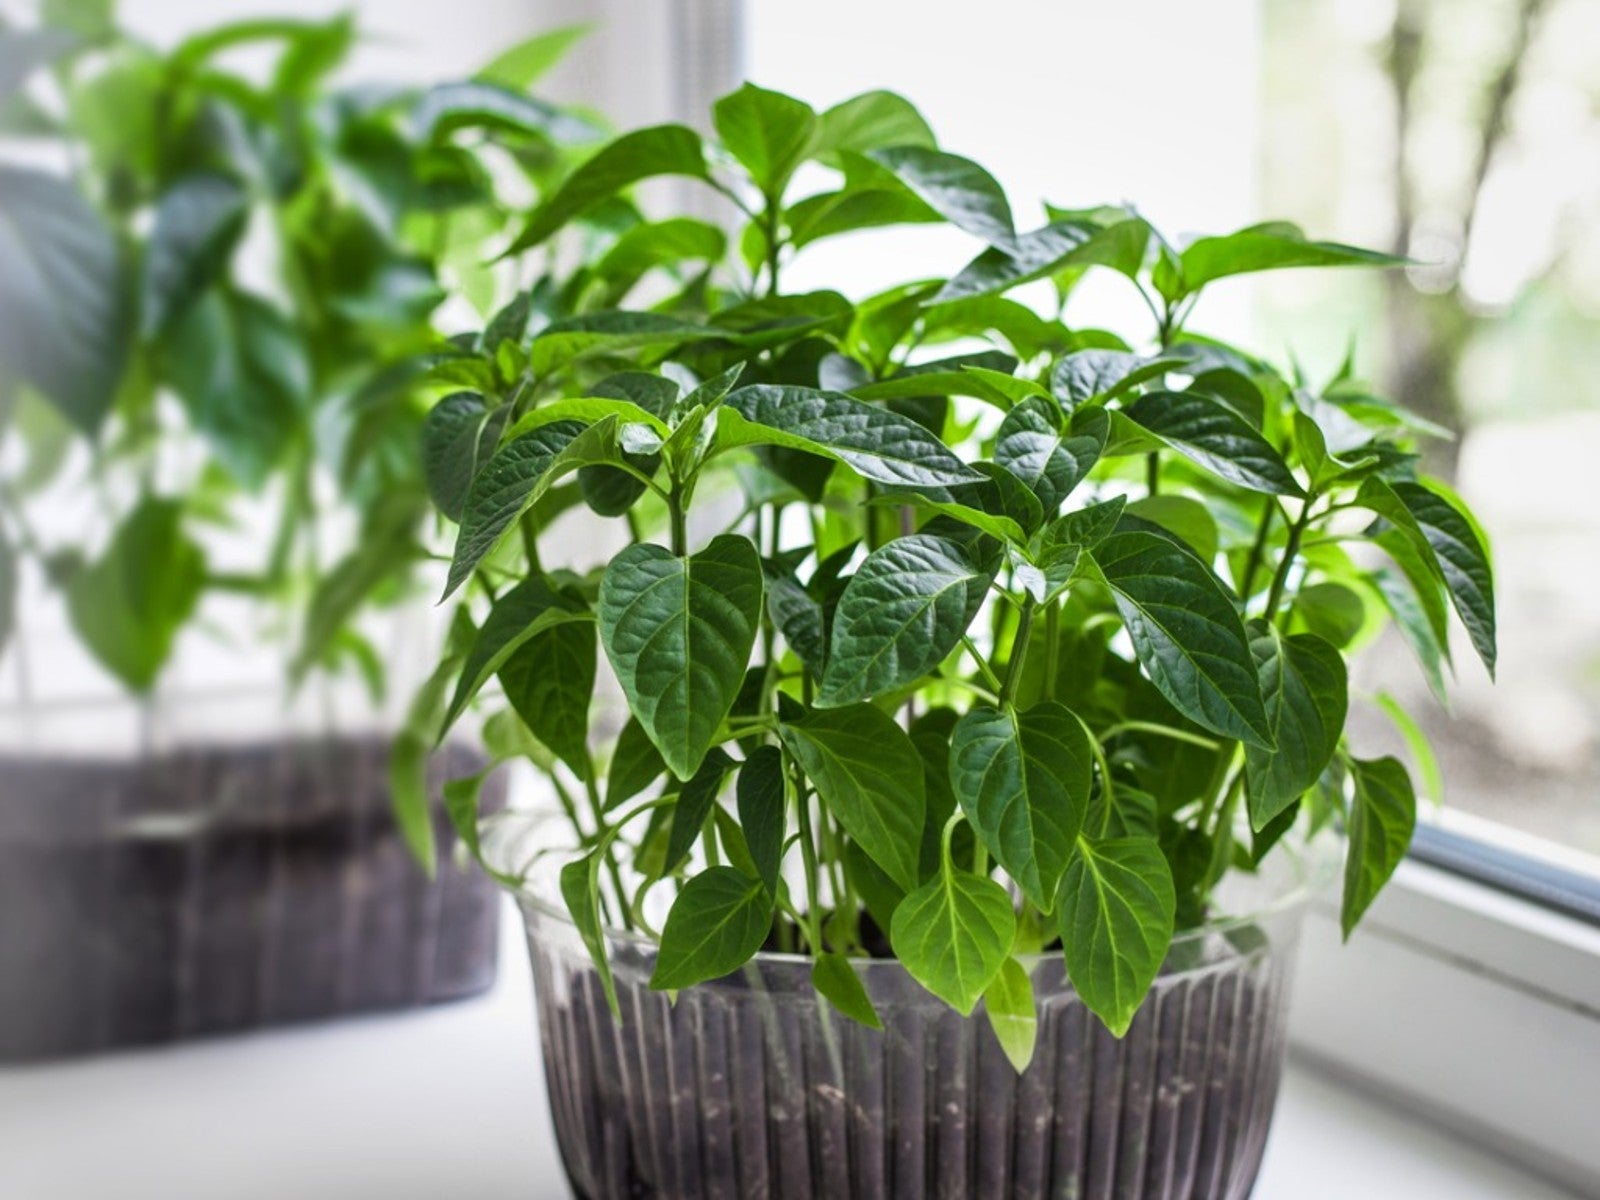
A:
x: 445, y: 108
x: 900, y: 616
x: 64, y: 316
x: 1116, y: 916
x: 1187, y: 634
x: 1023, y: 781
x: 1303, y: 684
x: 643, y: 154
x: 954, y: 935
x: 635, y: 764
x: 679, y: 633
x: 129, y: 605
x: 877, y: 444
x: 564, y: 342
x: 197, y: 224
x: 762, y: 808
x: 549, y: 680
x: 580, y: 888
x: 1382, y: 819
x: 1441, y: 533
x: 459, y: 433
x: 957, y: 188
x: 717, y: 923
x: 1085, y: 376
x: 1045, y: 251
x: 1008, y: 1003
x: 798, y: 618
x: 837, y: 982
x: 1048, y: 454
x: 1215, y: 437
x: 869, y: 775
x: 770, y: 133
x: 696, y: 799
x: 1087, y: 527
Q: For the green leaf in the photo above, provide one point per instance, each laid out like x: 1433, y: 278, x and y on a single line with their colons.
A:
x: 64, y: 319
x: 524, y: 64
x: 129, y: 605
x: 243, y: 372
x: 770, y: 133
x: 1049, y: 455
x: 679, y: 633
x: 869, y: 775
x: 1443, y: 535
x: 1116, y: 916
x: 461, y: 800
x: 643, y: 154
x: 798, y: 618
x: 94, y: 20
x: 1423, y: 757
x: 954, y: 934
x: 1306, y: 693
x: 1382, y: 819
x: 1087, y: 527
x: 716, y: 925
x: 1267, y: 248
x: 580, y: 888
x: 445, y: 108
x: 409, y: 752
x: 549, y: 680
x: 961, y: 191
x: 1087, y: 376
x: 832, y: 213
x: 459, y: 432
x: 696, y: 798
x: 1332, y: 611
x: 1215, y: 437
x: 876, y: 443
x: 516, y: 477
x: 564, y: 342
x: 655, y: 244
x: 1184, y: 517
x: 1008, y: 1003
x: 762, y: 807
x: 1041, y: 252
x: 635, y: 764
x: 900, y: 616
x: 871, y: 121
x: 198, y: 222
x: 837, y: 982
x: 1187, y: 634
x: 1022, y: 780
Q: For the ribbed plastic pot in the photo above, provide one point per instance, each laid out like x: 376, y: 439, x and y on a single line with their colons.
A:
x: 750, y: 1087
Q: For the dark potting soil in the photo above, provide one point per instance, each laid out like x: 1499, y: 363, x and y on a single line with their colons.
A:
x: 220, y: 889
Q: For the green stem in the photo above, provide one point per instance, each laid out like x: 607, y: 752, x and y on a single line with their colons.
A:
x: 1052, y: 649
x: 529, y: 529
x: 597, y: 810
x: 808, y: 857
x: 1166, y: 731
x: 984, y: 668
x: 1290, y: 550
x: 679, y: 520
x: 1019, y: 653
x: 1152, y: 472
x: 1257, y: 549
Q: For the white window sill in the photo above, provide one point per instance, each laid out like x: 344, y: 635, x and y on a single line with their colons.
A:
x: 451, y: 1103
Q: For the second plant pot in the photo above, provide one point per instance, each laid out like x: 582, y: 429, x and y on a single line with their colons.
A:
x: 753, y: 1086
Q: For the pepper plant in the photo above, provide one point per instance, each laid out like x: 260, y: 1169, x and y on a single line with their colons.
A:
x: 950, y: 627
x: 227, y: 302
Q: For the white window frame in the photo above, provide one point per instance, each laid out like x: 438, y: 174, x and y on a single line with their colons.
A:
x: 1476, y: 1009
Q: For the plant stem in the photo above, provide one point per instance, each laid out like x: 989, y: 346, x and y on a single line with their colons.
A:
x: 1152, y: 472
x: 1290, y: 550
x: 1052, y: 649
x: 1257, y: 549
x: 984, y: 668
x: 679, y: 522
x: 1166, y: 731
x: 1019, y: 652
x: 808, y: 857
x: 530, y: 541
x: 597, y: 810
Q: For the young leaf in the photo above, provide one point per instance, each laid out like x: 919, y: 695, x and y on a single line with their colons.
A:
x: 521, y: 66
x: 1056, y: 247
x: 716, y: 924
x: 762, y: 809
x: 1267, y: 248
x: 696, y: 799
x: 869, y: 775
x: 1215, y: 437
x: 836, y: 980
x: 643, y: 154
x: 1008, y: 1003
x: 549, y: 680
x: 580, y: 888
x: 954, y: 935
x: 679, y: 633
x: 1306, y: 694
x: 902, y: 613
x: 1186, y: 633
x: 1052, y: 460
x: 516, y: 477
x: 1087, y: 527
x: 871, y: 121
x: 873, y: 441
x: 1439, y: 532
x: 957, y: 188
x: 635, y: 764
x: 798, y: 617
x: 562, y: 343
x: 1116, y: 915
x: 1086, y: 376
x: 1382, y: 819
x: 1022, y: 780
x: 768, y: 132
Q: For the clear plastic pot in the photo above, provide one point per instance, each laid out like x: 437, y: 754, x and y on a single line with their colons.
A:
x: 751, y: 1087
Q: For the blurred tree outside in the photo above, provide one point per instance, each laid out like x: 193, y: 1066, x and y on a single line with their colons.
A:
x: 1466, y: 135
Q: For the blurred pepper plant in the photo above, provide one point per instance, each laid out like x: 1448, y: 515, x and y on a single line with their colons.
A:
x: 221, y: 289
x: 948, y: 629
